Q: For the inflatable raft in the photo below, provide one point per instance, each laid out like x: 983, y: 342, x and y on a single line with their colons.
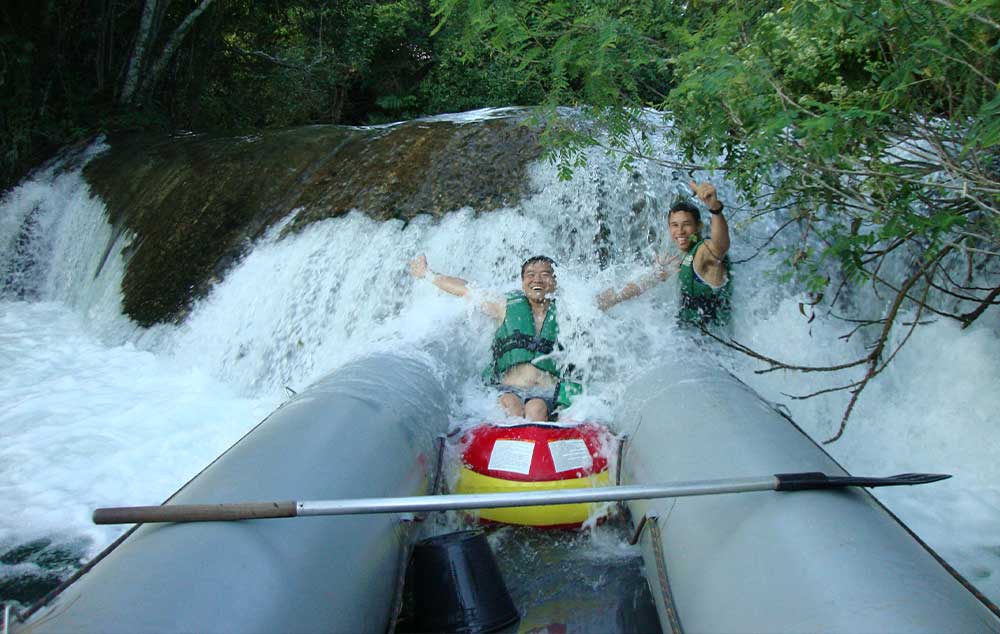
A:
x: 810, y: 561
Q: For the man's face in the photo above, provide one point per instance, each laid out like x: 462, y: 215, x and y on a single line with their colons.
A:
x: 682, y: 226
x: 538, y: 280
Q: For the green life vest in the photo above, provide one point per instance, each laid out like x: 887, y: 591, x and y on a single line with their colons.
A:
x: 700, y: 303
x: 515, y: 341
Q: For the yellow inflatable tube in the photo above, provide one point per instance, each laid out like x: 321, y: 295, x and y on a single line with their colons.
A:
x: 558, y: 515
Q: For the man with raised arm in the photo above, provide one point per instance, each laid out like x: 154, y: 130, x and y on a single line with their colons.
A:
x: 530, y: 381
x: 705, y: 282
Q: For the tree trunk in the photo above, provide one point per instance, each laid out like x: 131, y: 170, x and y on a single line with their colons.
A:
x: 170, y: 48
x: 337, y: 104
x: 143, y: 39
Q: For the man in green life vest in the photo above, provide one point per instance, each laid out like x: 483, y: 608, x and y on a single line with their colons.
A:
x: 703, y: 272
x: 530, y: 381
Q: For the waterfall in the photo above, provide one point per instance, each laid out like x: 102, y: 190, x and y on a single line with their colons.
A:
x: 98, y: 411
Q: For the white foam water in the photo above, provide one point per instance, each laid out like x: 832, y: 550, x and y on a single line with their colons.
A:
x: 95, y: 411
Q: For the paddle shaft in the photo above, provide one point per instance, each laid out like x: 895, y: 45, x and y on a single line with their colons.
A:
x: 427, y: 503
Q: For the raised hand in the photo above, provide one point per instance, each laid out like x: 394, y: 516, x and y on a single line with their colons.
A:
x: 667, y: 265
x: 418, y: 266
x: 706, y: 194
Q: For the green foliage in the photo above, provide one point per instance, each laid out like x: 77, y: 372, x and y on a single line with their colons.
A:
x: 287, y: 63
x: 884, y: 113
x: 49, y: 92
x: 458, y: 82
x: 244, y: 65
x: 576, y: 53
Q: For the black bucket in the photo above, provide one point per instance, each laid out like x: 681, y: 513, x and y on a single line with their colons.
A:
x: 458, y: 586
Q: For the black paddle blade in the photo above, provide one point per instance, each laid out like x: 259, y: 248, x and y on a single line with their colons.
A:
x: 816, y: 480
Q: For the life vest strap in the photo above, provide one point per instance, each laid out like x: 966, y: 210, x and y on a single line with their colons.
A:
x: 521, y: 341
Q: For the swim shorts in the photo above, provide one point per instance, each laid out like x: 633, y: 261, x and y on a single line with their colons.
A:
x: 546, y: 394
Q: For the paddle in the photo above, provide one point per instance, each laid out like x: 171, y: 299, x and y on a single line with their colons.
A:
x: 425, y: 503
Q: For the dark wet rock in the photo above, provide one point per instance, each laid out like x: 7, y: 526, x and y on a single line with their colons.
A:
x: 22, y: 553
x: 44, y: 564
x: 25, y: 589
x: 195, y: 203
x: 44, y: 554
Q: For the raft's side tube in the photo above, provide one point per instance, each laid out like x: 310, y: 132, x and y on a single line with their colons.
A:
x: 809, y: 561
x: 368, y: 430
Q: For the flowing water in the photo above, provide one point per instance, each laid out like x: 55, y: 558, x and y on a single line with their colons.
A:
x: 96, y: 411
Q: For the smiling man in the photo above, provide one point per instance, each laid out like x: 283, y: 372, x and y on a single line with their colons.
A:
x: 530, y: 381
x: 704, y: 269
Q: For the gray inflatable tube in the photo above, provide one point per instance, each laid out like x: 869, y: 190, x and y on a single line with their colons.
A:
x: 366, y: 431
x: 811, y: 561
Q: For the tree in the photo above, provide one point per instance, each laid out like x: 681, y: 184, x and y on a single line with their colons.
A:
x: 72, y: 68
x: 138, y: 85
x: 294, y: 62
x: 58, y: 62
x: 138, y: 59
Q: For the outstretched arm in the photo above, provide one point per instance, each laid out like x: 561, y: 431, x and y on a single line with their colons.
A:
x: 447, y: 283
x: 709, y: 262
x: 665, y: 267
x: 452, y: 285
x: 719, y: 227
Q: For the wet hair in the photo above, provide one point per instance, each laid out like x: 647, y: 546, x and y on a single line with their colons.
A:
x: 683, y: 205
x: 537, y: 258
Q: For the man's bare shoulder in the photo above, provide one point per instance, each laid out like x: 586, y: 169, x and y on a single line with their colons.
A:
x: 708, y: 253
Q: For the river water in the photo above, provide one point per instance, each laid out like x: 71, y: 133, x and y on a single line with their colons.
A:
x: 96, y: 411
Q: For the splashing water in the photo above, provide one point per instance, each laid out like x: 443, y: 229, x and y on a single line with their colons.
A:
x: 95, y: 411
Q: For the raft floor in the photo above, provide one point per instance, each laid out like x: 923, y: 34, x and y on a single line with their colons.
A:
x: 566, y: 582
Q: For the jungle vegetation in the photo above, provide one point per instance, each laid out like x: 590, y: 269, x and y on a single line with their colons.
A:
x: 870, y: 127
x: 71, y: 68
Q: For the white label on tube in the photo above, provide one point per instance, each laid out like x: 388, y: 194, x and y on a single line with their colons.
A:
x: 512, y: 455
x: 570, y: 454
